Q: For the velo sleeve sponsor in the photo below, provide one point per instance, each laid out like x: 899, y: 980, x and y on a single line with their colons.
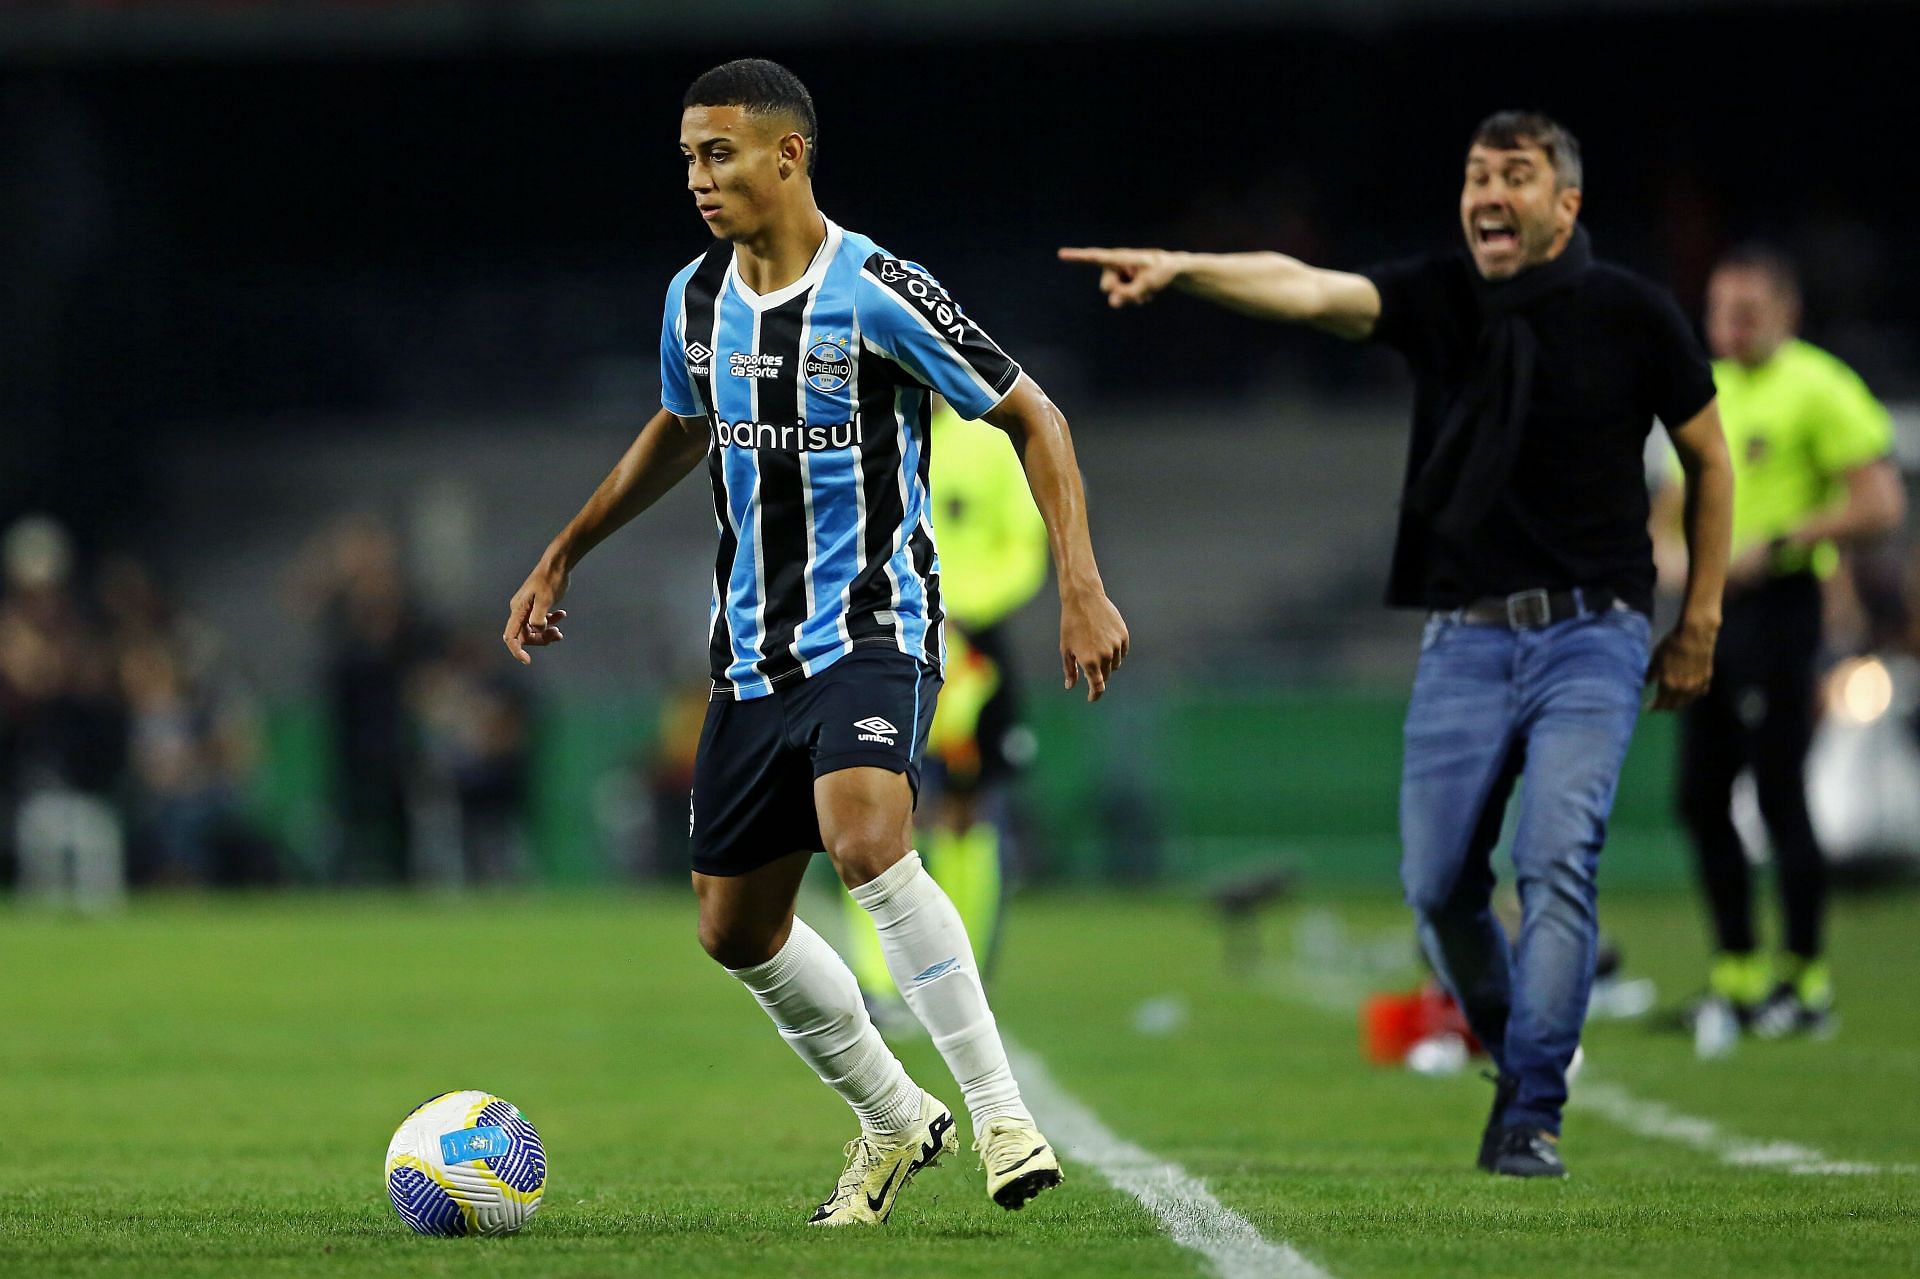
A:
x: 676, y: 386
x: 915, y: 322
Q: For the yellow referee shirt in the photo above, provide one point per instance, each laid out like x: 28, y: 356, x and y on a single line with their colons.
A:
x: 1795, y: 426
x: 993, y: 543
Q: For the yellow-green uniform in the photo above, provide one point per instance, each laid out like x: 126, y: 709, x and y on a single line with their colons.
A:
x: 1795, y: 427
x: 993, y: 559
x: 993, y: 543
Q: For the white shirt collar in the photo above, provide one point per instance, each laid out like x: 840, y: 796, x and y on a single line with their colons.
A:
x: 816, y: 269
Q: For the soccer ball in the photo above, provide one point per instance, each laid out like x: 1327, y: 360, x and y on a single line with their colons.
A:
x: 466, y: 1163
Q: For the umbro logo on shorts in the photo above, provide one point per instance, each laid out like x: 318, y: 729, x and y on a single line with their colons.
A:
x: 875, y: 729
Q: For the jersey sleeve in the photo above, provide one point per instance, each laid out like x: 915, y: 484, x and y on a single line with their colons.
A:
x: 1850, y: 428
x: 913, y: 321
x: 1677, y: 380
x: 676, y: 388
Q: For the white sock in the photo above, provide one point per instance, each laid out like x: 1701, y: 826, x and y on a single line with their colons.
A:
x: 813, y: 999
x: 932, y: 963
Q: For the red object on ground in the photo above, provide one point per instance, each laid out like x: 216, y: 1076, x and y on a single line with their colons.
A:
x: 1390, y: 1025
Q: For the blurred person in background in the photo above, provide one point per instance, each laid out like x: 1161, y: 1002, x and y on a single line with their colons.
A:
x: 350, y: 581
x: 63, y: 739
x: 993, y: 560
x: 796, y: 359
x: 1538, y: 372
x: 1810, y: 448
x: 474, y: 727
x: 194, y: 738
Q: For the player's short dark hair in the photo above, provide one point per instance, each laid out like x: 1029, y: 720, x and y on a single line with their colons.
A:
x: 759, y: 87
x: 1507, y: 130
x: 1768, y: 261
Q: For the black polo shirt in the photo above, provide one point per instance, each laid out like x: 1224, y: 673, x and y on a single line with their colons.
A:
x: 1614, y: 353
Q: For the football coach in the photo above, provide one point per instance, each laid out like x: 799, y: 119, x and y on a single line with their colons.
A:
x: 1522, y: 535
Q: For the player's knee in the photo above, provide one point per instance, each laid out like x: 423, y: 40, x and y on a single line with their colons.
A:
x: 863, y: 851
x: 734, y: 943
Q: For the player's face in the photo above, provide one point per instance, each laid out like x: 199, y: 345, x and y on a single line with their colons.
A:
x: 1511, y: 211
x: 735, y: 168
x: 1748, y: 315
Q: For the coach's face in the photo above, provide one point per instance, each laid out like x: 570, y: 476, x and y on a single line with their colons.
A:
x: 1513, y: 213
x: 737, y: 166
x: 1748, y: 314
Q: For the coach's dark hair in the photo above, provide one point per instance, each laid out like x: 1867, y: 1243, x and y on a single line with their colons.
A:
x: 759, y: 87
x: 1506, y: 130
x: 1769, y: 261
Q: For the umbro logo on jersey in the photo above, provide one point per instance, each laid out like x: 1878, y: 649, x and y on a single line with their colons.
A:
x: 697, y: 356
x: 875, y: 729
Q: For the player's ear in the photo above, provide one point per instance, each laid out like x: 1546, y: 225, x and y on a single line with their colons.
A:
x: 793, y: 155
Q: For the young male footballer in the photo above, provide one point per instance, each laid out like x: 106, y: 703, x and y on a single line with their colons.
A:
x: 797, y: 359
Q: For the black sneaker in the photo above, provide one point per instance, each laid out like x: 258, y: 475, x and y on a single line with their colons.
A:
x: 1504, y: 1088
x: 1528, y: 1152
x: 1785, y: 1013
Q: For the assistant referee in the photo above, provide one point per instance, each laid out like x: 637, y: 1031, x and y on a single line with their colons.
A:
x: 1810, y: 453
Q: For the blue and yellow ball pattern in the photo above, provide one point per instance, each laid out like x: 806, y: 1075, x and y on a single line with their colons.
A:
x: 466, y: 1163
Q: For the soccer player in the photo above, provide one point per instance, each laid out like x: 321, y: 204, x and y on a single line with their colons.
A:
x: 993, y: 560
x: 796, y: 359
x: 1537, y: 372
x: 1810, y: 455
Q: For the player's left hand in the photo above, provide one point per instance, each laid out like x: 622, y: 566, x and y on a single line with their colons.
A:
x: 1093, y: 640
x: 1682, y: 665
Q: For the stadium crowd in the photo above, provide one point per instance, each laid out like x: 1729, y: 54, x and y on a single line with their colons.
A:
x: 134, y: 753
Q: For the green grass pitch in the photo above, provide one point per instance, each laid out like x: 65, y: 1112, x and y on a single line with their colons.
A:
x: 207, y: 1087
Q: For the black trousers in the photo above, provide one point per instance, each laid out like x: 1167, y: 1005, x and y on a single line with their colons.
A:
x: 1759, y: 714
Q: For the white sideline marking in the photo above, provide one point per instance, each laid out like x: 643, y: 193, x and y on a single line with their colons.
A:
x: 1182, y: 1203
x: 1652, y: 1119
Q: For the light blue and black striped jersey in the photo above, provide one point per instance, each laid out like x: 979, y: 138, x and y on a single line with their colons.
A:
x: 816, y: 403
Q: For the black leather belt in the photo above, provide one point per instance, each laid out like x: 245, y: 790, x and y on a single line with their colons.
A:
x: 1529, y: 610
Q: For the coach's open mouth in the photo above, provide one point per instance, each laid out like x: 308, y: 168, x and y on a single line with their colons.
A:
x: 1496, y: 233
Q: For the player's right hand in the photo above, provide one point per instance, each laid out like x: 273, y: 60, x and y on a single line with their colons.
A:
x: 1129, y: 277
x: 533, y: 615
x: 1093, y: 641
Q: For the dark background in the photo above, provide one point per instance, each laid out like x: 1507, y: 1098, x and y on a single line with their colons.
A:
x: 198, y: 240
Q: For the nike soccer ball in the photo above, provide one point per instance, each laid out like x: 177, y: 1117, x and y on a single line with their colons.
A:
x: 466, y: 1163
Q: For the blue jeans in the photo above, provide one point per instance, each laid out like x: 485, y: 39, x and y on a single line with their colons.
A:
x: 1556, y: 707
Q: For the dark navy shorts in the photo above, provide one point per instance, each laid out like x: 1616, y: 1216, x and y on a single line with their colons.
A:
x: 753, y: 777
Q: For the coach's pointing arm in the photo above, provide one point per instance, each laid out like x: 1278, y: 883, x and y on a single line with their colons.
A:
x: 1267, y: 286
